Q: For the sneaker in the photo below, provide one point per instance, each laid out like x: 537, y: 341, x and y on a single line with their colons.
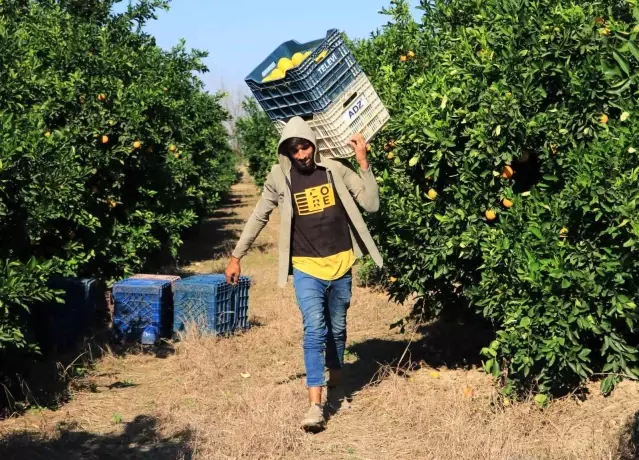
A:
x: 314, y: 420
x: 336, y: 398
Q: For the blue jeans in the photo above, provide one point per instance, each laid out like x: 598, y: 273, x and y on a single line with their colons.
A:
x: 323, y: 305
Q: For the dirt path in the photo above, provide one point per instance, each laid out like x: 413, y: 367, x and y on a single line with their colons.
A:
x: 206, y: 398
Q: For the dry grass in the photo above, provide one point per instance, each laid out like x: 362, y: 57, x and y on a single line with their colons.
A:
x: 242, y: 397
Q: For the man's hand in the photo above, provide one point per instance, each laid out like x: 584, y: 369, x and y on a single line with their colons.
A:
x: 358, y: 144
x: 233, y: 271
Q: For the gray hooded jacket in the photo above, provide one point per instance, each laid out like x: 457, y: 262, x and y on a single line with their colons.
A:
x: 350, y: 186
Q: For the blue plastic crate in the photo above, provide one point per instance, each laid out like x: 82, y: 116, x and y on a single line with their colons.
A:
x: 142, y: 304
x: 241, y: 303
x: 206, y: 301
x: 312, y: 86
x: 59, y: 326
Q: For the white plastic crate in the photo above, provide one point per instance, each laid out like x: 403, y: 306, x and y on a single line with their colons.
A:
x: 358, y: 110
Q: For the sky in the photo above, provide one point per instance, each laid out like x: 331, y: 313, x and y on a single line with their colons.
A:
x: 240, y: 34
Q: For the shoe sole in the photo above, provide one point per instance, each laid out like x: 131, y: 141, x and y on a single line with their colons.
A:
x: 316, y: 428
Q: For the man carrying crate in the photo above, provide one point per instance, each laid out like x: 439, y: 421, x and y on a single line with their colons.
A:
x: 322, y: 233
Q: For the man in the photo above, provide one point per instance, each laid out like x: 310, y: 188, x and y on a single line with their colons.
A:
x: 322, y: 232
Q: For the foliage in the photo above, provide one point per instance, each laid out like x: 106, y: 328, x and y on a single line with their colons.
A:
x: 548, y: 88
x: 109, y: 148
x: 257, y: 139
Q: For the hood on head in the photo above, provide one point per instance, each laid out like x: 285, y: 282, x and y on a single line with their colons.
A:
x: 297, y: 127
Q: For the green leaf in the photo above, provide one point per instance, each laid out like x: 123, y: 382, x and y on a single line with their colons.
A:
x: 413, y: 161
x: 634, y: 49
x: 622, y: 61
x: 541, y: 400
x: 525, y: 322
x: 535, y: 231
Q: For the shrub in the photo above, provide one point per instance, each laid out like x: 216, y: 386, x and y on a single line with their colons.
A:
x: 257, y: 139
x: 109, y: 147
x: 548, y: 89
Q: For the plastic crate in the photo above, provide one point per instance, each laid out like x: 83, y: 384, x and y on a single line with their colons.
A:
x: 142, y: 305
x: 59, y: 326
x: 358, y: 110
x: 309, y: 87
x: 241, y: 303
x: 205, y: 301
x: 170, y: 278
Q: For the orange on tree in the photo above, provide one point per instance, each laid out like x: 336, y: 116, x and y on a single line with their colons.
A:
x: 47, y: 134
x: 105, y: 139
x: 172, y: 148
x: 490, y: 215
x: 563, y: 232
x: 176, y: 155
x: 411, y: 54
x: 507, y: 203
x: 113, y: 203
x: 604, y: 118
x: 137, y: 145
x: 101, y: 97
x: 432, y: 194
x: 507, y: 172
x: 403, y: 58
x: 390, y: 156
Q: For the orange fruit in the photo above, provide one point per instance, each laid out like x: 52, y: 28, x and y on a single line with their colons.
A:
x: 507, y: 203
x: 172, y: 148
x: 392, y: 279
x: 563, y: 232
x: 604, y: 118
x: 390, y: 155
x: 47, y: 134
x: 137, y: 145
x: 490, y: 215
x: 105, y: 139
x: 507, y: 172
x: 101, y: 97
x: 176, y: 155
x: 113, y: 203
x: 403, y: 58
x: 411, y: 54
x: 432, y: 194
x: 605, y: 32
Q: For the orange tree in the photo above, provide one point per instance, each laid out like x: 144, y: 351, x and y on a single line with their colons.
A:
x: 109, y: 147
x: 257, y: 139
x: 508, y: 175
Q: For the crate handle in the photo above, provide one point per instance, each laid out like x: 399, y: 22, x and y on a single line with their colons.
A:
x: 350, y: 99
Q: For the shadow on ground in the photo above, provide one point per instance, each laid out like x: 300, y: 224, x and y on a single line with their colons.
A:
x: 443, y: 343
x: 629, y: 440
x: 140, y: 440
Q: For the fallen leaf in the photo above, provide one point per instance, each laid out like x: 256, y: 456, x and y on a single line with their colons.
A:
x: 246, y: 375
x: 468, y: 392
x: 434, y: 374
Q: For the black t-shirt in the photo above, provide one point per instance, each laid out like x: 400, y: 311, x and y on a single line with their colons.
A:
x: 320, y: 224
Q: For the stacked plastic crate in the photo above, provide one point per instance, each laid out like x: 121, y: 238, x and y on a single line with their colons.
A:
x: 327, y: 88
x: 60, y: 326
x: 143, y: 310
x: 205, y: 302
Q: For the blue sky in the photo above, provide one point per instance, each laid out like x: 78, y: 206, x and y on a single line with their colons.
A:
x: 239, y: 34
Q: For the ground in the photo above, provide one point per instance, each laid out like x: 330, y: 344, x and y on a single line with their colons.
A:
x: 415, y: 395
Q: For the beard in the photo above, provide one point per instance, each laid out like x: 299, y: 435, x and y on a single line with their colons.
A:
x: 305, y: 167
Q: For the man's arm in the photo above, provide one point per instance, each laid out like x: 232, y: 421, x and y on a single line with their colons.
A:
x: 253, y: 227
x: 362, y: 186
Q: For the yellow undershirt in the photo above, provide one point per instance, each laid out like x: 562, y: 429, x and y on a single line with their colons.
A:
x: 328, y: 268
